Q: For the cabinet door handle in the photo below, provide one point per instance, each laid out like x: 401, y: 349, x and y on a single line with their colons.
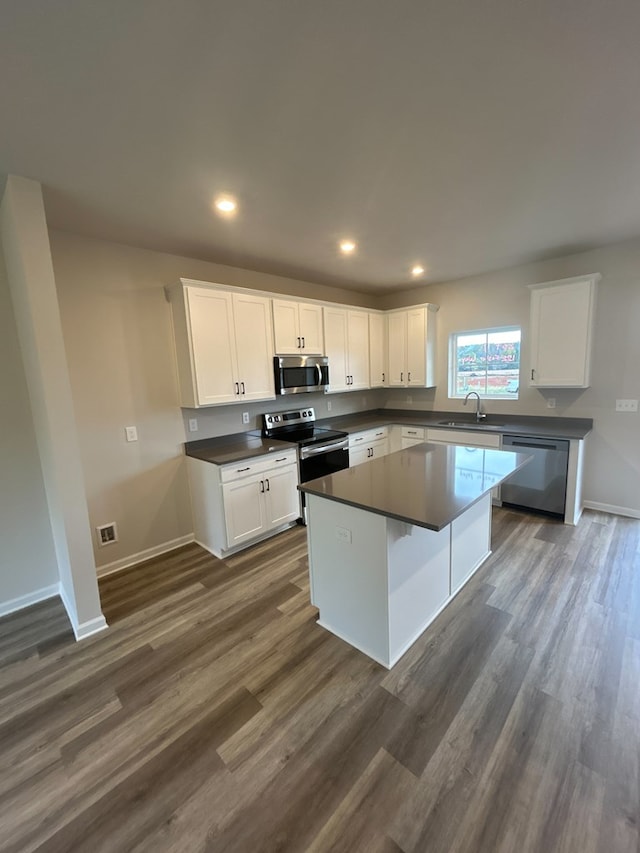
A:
x: 268, y: 486
x: 402, y: 377
x: 242, y: 383
x: 303, y: 343
x: 409, y: 376
x: 261, y: 487
x: 532, y: 372
x: 299, y: 344
x: 383, y: 377
x: 237, y: 387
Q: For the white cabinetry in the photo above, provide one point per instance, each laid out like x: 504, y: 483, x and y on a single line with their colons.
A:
x: 411, y: 335
x: 411, y: 436
x: 562, y: 317
x: 223, y: 345
x: 368, y: 445
x: 346, y: 337
x: 378, y: 344
x: 297, y: 328
x: 235, y: 505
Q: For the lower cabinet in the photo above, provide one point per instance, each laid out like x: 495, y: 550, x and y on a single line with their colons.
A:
x: 411, y: 436
x: 236, y: 505
x: 368, y: 445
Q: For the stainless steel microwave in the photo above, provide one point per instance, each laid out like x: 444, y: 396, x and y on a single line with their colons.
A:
x: 298, y: 374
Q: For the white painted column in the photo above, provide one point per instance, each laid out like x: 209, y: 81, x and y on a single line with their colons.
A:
x: 25, y: 240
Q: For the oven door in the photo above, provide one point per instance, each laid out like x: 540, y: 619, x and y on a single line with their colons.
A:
x: 298, y: 375
x: 321, y: 461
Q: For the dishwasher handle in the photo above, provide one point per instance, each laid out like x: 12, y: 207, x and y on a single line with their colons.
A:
x: 532, y: 446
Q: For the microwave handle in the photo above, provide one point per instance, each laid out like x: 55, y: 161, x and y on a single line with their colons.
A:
x: 319, y: 369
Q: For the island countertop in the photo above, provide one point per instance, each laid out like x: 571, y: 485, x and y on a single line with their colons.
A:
x: 428, y: 485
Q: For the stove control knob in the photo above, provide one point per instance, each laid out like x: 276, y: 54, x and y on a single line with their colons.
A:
x: 269, y: 419
x: 304, y: 414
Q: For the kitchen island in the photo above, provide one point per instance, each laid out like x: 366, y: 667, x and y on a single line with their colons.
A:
x: 391, y: 542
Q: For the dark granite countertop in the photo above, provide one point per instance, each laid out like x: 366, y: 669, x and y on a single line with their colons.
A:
x: 428, y: 485
x: 233, y: 448
x: 529, y: 425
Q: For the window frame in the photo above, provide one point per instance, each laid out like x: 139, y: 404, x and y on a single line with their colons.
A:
x: 452, y: 367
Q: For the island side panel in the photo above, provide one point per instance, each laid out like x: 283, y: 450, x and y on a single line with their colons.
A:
x: 470, y: 542
x: 348, y: 569
x: 418, y: 581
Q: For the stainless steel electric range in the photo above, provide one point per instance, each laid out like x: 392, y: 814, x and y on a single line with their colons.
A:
x: 321, y: 451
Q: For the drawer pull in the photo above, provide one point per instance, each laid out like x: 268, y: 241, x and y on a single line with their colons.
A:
x: 240, y: 470
x: 284, y: 459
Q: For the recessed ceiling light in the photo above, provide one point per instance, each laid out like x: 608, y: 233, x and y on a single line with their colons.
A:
x: 417, y: 270
x: 226, y: 204
x: 347, y: 247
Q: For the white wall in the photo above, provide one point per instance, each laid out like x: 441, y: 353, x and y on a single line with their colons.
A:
x: 25, y: 242
x: 28, y: 568
x: 612, y: 476
x: 117, y: 331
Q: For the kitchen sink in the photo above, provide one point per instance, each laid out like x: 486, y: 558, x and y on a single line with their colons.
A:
x: 467, y: 424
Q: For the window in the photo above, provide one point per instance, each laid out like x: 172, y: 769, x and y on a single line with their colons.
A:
x: 486, y: 361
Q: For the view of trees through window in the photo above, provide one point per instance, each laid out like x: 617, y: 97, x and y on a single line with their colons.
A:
x: 486, y: 361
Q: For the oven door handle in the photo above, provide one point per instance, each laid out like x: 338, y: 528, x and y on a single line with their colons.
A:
x: 306, y: 452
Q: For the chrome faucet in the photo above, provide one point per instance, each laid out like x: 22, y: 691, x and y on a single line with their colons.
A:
x: 480, y: 415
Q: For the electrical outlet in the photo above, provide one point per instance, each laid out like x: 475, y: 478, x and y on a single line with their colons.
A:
x: 328, y: 405
x: 131, y: 433
x: 193, y: 425
x: 343, y: 535
x: 551, y: 402
x: 107, y: 533
x: 245, y: 417
x: 626, y: 405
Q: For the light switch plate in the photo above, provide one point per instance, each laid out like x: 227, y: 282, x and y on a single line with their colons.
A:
x: 131, y: 433
x: 193, y: 425
x: 245, y: 417
x: 626, y: 405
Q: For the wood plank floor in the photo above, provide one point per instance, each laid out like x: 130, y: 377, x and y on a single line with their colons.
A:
x: 215, y: 715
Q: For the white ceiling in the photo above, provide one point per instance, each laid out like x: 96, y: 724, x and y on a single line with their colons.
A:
x: 468, y: 135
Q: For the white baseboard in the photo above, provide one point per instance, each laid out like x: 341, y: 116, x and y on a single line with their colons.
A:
x: 141, y: 556
x: 92, y: 626
x: 81, y: 629
x: 612, y: 509
x: 34, y: 597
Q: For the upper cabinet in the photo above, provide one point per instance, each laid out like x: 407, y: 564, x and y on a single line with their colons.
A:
x: 562, y: 317
x: 378, y: 344
x: 297, y: 327
x: 223, y: 345
x: 346, y: 337
x: 412, y: 345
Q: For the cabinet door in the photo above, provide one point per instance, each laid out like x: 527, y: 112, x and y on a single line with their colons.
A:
x: 335, y: 339
x: 358, y: 339
x: 282, y: 503
x: 358, y: 455
x: 379, y: 448
x: 286, y: 333
x: 397, y: 348
x: 417, y: 347
x: 311, y: 328
x: 254, y: 347
x: 377, y: 350
x: 409, y: 442
x: 243, y: 509
x: 561, y: 323
x: 213, y: 345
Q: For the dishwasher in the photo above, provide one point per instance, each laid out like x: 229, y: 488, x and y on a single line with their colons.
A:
x: 542, y: 483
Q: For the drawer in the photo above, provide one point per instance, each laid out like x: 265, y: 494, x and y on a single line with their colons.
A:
x: 367, y: 437
x: 468, y: 438
x: 257, y: 465
x: 413, y: 432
